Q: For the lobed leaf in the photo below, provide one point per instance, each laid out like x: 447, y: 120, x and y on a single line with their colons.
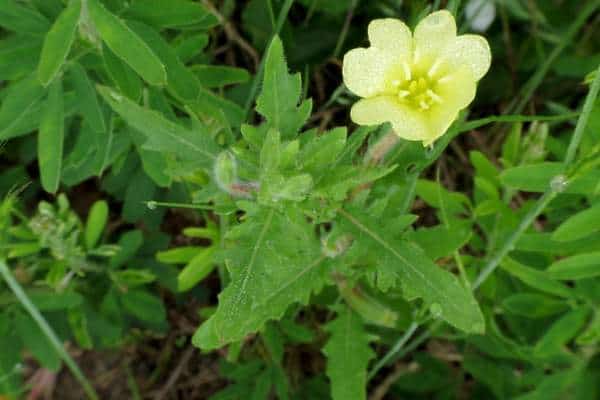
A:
x: 274, y: 261
x: 348, y: 354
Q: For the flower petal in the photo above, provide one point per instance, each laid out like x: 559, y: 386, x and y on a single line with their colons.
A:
x: 472, y: 51
x: 439, y: 120
x: 434, y: 33
x: 391, y: 35
x: 406, y: 122
x: 457, y: 89
x: 364, y: 70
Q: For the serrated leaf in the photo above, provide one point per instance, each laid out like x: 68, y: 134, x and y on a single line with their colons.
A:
x: 406, y: 263
x: 126, y: 44
x: 278, y: 100
x: 163, y: 135
x: 274, y: 261
x: 51, y: 139
x: 348, y: 354
x: 58, y: 42
x: 172, y: 13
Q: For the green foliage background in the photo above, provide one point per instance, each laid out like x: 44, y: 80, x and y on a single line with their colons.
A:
x: 169, y: 160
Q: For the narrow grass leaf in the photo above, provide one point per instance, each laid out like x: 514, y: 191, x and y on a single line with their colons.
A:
x: 21, y: 97
x: 536, y: 279
x: 51, y: 139
x: 579, y: 225
x: 580, y: 266
x: 17, y: 17
x: 87, y: 98
x: 172, y: 13
x: 162, y: 134
x: 127, y: 45
x: 58, y: 42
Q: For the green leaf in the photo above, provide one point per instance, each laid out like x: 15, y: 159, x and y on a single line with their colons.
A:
x: 197, y: 269
x: 87, y: 98
x: 172, y: 13
x: 579, y: 225
x: 122, y: 75
x: 36, y: 342
x: 46, y: 300
x: 24, y: 48
x: 144, y: 306
x: 20, y: 98
x: 127, y: 45
x: 58, y: 42
x: 278, y: 100
x: 348, y: 354
x: 406, y: 263
x: 561, y: 332
x: 268, y: 274
x: 533, y: 305
x: 96, y: 221
x: 20, y: 18
x: 580, y: 266
x: 180, y: 80
x: 51, y: 139
x: 537, y: 178
x: 536, y: 279
x: 129, y: 243
x: 215, y: 76
x: 163, y: 135
x: 178, y: 255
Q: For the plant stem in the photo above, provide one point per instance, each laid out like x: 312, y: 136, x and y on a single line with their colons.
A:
x: 588, y: 106
x: 397, y: 347
x: 47, y: 330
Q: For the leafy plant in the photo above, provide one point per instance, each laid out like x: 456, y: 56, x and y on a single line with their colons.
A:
x: 305, y: 257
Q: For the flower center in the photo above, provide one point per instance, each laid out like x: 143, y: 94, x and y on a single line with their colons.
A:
x: 417, y: 89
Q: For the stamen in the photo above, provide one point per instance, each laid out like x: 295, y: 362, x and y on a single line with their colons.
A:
x: 434, y: 68
x: 403, y: 93
x: 444, y: 79
x: 433, y: 96
x: 396, y: 82
x: 424, y: 105
x: 407, y: 74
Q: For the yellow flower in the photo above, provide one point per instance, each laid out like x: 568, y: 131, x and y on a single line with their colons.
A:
x: 417, y: 82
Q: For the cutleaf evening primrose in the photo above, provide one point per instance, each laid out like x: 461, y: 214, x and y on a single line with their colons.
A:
x: 417, y: 82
